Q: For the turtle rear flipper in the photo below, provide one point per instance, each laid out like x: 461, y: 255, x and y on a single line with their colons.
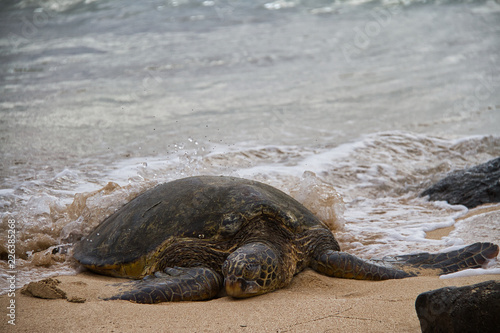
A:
x: 472, y: 256
x: 174, y: 284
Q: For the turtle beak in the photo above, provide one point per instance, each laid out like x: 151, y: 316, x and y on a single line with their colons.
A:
x: 239, y: 288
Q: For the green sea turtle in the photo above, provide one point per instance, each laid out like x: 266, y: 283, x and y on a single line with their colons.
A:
x: 199, y: 237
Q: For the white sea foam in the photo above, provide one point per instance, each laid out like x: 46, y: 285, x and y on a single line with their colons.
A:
x: 472, y: 272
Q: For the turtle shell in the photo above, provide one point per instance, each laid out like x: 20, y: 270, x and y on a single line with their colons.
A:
x: 213, y: 208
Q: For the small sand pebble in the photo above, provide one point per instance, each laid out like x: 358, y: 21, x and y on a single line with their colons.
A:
x: 76, y: 299
x: 46, y: 288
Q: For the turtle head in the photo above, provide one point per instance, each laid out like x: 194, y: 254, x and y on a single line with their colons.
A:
x: 251, y: 270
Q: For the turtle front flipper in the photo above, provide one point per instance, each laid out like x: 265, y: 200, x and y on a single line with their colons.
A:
x: 347, y: 266
x: 172, y: 285
x: 472, y: 256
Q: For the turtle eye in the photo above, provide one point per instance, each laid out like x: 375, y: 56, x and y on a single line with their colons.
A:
x: 251, y: 271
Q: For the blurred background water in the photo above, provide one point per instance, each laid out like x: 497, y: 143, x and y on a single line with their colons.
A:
x: 353, y: 107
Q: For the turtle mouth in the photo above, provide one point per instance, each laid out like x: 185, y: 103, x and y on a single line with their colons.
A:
x: 240, y: 288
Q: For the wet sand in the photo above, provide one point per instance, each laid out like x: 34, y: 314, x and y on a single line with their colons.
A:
x: 312, y: 303
x: 439, y: 233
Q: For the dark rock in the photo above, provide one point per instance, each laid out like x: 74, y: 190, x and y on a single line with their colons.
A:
x: 473, y: 308
x: 472, y: 187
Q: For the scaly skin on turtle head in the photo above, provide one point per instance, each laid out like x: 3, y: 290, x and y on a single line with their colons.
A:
x: 251, y: 270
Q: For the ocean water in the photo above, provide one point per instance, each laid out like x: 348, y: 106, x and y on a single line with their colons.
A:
x: 352, y: 107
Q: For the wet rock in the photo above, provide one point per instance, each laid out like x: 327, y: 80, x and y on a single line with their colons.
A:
x: 46, y: 288
x: 472, y: 187
x: 474, y: 308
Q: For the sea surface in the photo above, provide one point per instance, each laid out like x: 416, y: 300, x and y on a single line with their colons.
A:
x: 352, y: 107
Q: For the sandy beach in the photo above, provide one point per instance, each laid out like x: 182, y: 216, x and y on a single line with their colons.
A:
x: 312, y: 303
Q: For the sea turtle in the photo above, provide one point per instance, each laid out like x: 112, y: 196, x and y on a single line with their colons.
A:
x: 199, y: 237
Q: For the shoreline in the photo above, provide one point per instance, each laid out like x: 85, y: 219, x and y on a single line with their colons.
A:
x: 487, y: 208
x: 312, y: 303
x: 437, y: 234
